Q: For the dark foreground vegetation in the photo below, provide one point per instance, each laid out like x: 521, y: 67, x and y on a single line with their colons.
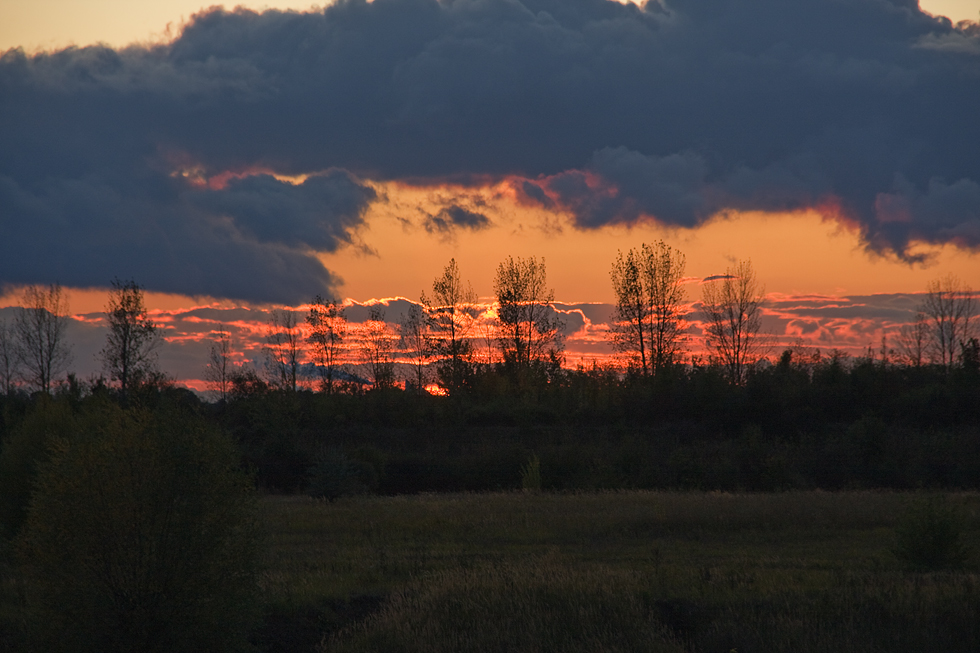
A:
x: 150, y: 520
x: 829, y: 424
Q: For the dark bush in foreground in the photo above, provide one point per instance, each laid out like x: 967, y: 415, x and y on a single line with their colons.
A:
x: 141, y: 536
x: 335, y: 475
x: 930, y: 536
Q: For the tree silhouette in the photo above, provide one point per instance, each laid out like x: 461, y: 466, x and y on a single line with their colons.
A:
x: 9, y: 365
x: 129, y: 355
x: 913, y: 341
x: 40, y: 329
x: 632, y: 311
x: 732, y: 307
x: 218, y: 372
x: 451, y: 318
x: 648, y: 321
x: 282, y: 348
x: 529, y: 329
x: 327, y: 329
x: 413, y: 331
x: 948, y: 308
x: 377, y: 349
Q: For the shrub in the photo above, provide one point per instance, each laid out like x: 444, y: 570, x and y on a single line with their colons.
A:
x: 141, y: 536
x: 27, y: 448
x: 335, y: 475
x: 531, y: 475
x: 930, y: 536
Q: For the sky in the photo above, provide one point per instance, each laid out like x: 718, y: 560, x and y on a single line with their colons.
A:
x: 234, y: 160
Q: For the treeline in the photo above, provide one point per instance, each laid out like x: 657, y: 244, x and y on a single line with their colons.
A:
x: 807, y: 421
x: 901, y: 416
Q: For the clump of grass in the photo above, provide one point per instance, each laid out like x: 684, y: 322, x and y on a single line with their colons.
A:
x: 531, y: 475
x: 540, y: 604
x: 930, y: 536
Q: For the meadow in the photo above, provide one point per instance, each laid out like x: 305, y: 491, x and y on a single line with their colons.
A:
x: 616, y: 571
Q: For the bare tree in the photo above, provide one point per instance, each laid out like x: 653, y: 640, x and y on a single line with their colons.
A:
x: 282, y: 348
x: 219, y: 370
x: 489, y: 339
x: 328, y: 327
x: 129, y: 355
x: 414, y: 338
x: 40, y: 328
x: 378, y: 348
x: 632, y: 310
x: 649, y: 314
x: 663, y: 268
x: 913, y: 339
x: 451, y: 319
x: 9, y: 365
x: 948, y: 308
x: 732, y: 305
x: 529, y: 329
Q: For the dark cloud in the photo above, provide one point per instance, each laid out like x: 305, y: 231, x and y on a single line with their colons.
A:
x: 448, y: 220
x: 109, y: 158
x: 718, y: 277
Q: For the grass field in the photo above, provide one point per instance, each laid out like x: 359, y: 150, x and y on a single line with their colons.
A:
x: 623, y: 571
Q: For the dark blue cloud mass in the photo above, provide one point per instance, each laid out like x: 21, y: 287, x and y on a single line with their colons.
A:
x: 447, y: 221
x: 673, y: 110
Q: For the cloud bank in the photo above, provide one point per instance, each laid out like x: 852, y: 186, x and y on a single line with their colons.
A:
x: 154, y: 162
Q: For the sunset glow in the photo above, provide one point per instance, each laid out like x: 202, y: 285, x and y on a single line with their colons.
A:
x: 230, y: 183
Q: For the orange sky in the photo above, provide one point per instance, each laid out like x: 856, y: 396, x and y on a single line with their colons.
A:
x: 394, y: 255
x: 792, y: 253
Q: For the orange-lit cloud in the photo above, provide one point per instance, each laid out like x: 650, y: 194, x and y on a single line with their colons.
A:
x: 850, y: 324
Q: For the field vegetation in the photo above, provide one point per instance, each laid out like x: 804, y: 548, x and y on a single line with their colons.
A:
x: 617, y: 571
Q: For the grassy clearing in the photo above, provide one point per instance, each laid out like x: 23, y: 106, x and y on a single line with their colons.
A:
x: 630, y: 571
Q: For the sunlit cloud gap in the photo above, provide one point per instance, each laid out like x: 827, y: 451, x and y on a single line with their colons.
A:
x: 852, y: 326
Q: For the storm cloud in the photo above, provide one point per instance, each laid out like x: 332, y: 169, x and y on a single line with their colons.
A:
x: 155, y: 162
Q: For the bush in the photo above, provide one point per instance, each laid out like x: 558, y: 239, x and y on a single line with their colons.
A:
x: 335, y: 475
x: 24, y: 451
x: 141, y: 536
x: 930, y: 536
x: 531, y: 475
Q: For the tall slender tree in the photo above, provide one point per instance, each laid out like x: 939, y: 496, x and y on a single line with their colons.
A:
x: 732, y: 307
x: 949, y: 309
x: 219, y: 371
x: 377, y: 349
x: 414, y: 338
x: 9, y: 365
x: 451, y: 318
x: 663, y: 270
x: 40, y: 330
x: 632, y: 311
x: 913, y: 340
x: 530, y: 331
x: 282, y: 349
x: 129, y: 356
x: 649, y: 323
x: 328, y: 326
